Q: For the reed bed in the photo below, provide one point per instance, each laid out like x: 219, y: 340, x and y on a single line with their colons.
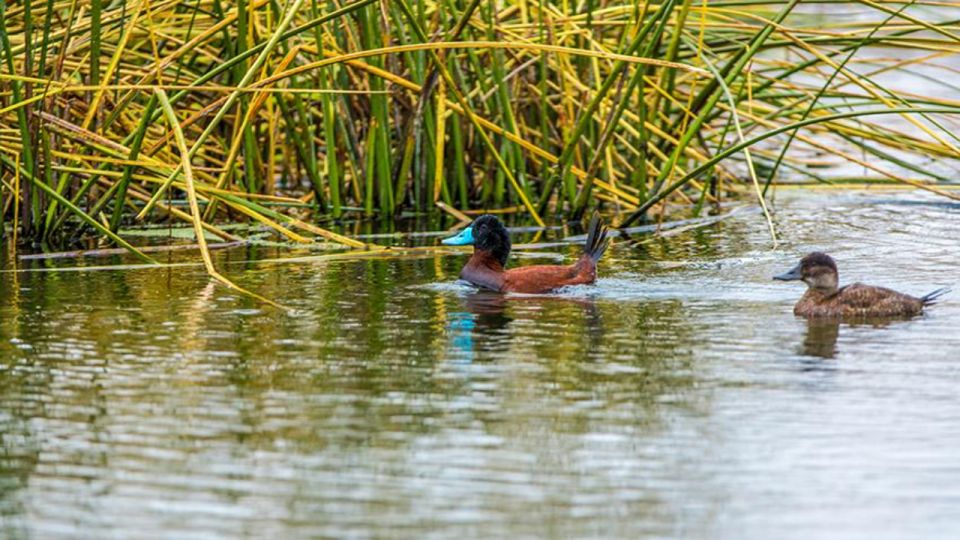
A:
x: 296, y: 114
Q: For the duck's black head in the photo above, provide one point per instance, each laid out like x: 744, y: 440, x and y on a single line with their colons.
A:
x: 817, y: 270
x: 486, y: 233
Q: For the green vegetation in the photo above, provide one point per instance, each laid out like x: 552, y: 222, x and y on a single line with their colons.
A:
x: 295, y: 114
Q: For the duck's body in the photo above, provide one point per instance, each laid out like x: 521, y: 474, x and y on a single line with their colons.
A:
x: 491, y: 242
x: 858, y: 300
x: 484, y: 271
x: 825, y: 299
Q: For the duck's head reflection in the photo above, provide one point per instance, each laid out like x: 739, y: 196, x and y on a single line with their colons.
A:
x: 477, y: 327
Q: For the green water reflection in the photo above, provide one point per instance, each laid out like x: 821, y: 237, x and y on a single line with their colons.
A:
x: 678, y: 397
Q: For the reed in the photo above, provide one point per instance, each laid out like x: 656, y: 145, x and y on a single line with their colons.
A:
x: 296, y: 114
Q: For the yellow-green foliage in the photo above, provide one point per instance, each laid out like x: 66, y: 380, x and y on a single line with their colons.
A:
x: 294, y: 112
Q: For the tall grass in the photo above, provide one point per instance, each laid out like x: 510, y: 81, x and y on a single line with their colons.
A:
x: 297, y: 113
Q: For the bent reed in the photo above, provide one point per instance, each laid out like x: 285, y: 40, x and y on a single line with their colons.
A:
x: 295, y: 114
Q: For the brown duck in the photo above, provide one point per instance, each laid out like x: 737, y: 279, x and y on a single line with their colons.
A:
x: 824, y: 297
x: 491, y: 247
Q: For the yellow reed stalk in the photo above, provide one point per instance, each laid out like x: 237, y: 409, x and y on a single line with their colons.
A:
x: 258, y: 101
x: 16, y: 198
x: 441, y: 133
x: 231, y: 99
x: 195, y: 206
x: 439, y: 45
x: 95, y: 104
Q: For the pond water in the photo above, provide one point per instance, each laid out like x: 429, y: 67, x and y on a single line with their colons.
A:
x: 678, y: 398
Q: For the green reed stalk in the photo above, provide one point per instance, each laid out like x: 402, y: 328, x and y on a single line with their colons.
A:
x: 562, y: 169
x: 231, y: 100
x: 25, y: 174
x: 369, y: 177
x: 708, y: 99
x: 773, y: 132
x: 124, y: 183
x: 96, y: 12
x: 459, y: 165
x: 822, y: 91
x: 328, y: 107
x: 26, y: 153
x: 421, y: 35
x: 518, y: 124
x: 580, y: 204
x: 371, y: 31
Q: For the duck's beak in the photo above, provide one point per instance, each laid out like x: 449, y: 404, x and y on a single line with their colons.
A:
x: 794, y: 274
x: 465, y: 238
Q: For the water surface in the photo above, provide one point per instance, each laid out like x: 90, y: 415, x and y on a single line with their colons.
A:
x: 677, y: 398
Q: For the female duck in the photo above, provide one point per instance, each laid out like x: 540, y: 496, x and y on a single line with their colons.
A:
x: 825, y: 299
x: 491, y: 247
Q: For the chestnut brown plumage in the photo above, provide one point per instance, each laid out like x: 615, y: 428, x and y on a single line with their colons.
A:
x: 492, y: 247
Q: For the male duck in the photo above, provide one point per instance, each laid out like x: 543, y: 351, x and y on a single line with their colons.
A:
x: 491, y: 247
x: 825, y: 299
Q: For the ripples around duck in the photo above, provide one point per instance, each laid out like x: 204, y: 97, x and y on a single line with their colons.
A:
x: 677, y: 398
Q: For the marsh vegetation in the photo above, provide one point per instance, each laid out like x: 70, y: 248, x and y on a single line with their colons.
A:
x: 291, y: 115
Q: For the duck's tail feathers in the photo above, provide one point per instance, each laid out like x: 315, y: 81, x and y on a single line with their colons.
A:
x: 597, y: 240
x: 931, y: 298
